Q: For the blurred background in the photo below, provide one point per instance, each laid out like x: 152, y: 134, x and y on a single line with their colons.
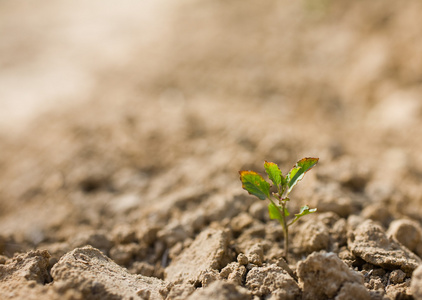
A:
x: 108, y: 109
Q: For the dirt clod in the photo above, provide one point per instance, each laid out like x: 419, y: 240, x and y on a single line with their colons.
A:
x: 234, y: 272
x: 332, y: 276
x: 209, y: 251
x: 314, y: 236
x: 370, y: 242
x: 406, y: 232
x: 416, y: 283
x: 23, y: 273
x: 242, y: 259
x: 95, y: 276
x: 397, y: 276
x: 30, y: 266
x: 266, y: 280
x: 255, y: 254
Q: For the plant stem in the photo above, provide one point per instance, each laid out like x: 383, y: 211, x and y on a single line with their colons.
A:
x: 283, y: 224
x: 286, y: 233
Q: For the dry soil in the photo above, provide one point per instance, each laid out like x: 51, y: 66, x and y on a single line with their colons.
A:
x: 124, y: 127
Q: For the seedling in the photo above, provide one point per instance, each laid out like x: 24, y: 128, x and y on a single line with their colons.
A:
x: 256, y: 185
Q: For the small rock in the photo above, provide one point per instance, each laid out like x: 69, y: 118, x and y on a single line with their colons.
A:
x: 208, y: 251
x: 263, y: 281
x: 220, y: 290
x: 406, y: 232
x: 242, y: 259
x: 416, y: 283
x: 234, y: 272
x: 332, y: 275
x: 397, y: 276
x: 370, y: 242
x: 255, y: 254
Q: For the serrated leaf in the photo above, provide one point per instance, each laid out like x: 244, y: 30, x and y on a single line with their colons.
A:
x: 255, y: 184
x: 298, y: 171
x: 275, y: 212
x: 291, y: 177
x: 274, y: 173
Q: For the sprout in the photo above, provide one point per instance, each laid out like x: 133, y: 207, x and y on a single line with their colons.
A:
x: 256, y: 185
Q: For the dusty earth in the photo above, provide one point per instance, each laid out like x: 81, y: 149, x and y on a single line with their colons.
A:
x: 123, y: 129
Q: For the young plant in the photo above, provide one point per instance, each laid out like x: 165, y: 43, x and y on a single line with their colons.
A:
x: 256, y: 185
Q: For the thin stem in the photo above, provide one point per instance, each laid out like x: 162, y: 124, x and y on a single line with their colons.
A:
x: 280, y: 192
x: 293, y: 221
x: 271, y: 200
x: 284, y: 225
x: 286, y: 233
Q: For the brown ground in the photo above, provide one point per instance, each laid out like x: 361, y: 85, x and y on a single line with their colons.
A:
x: 124, y: 128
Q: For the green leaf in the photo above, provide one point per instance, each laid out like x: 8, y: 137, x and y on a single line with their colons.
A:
x: 274, y: 173
x: 255, y: 184
x: 299, y: 170
x: 305, y: 210
x: 275, y: 212
x: 292, y: 176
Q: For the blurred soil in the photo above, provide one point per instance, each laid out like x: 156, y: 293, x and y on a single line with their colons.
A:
x: 124, y: 128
